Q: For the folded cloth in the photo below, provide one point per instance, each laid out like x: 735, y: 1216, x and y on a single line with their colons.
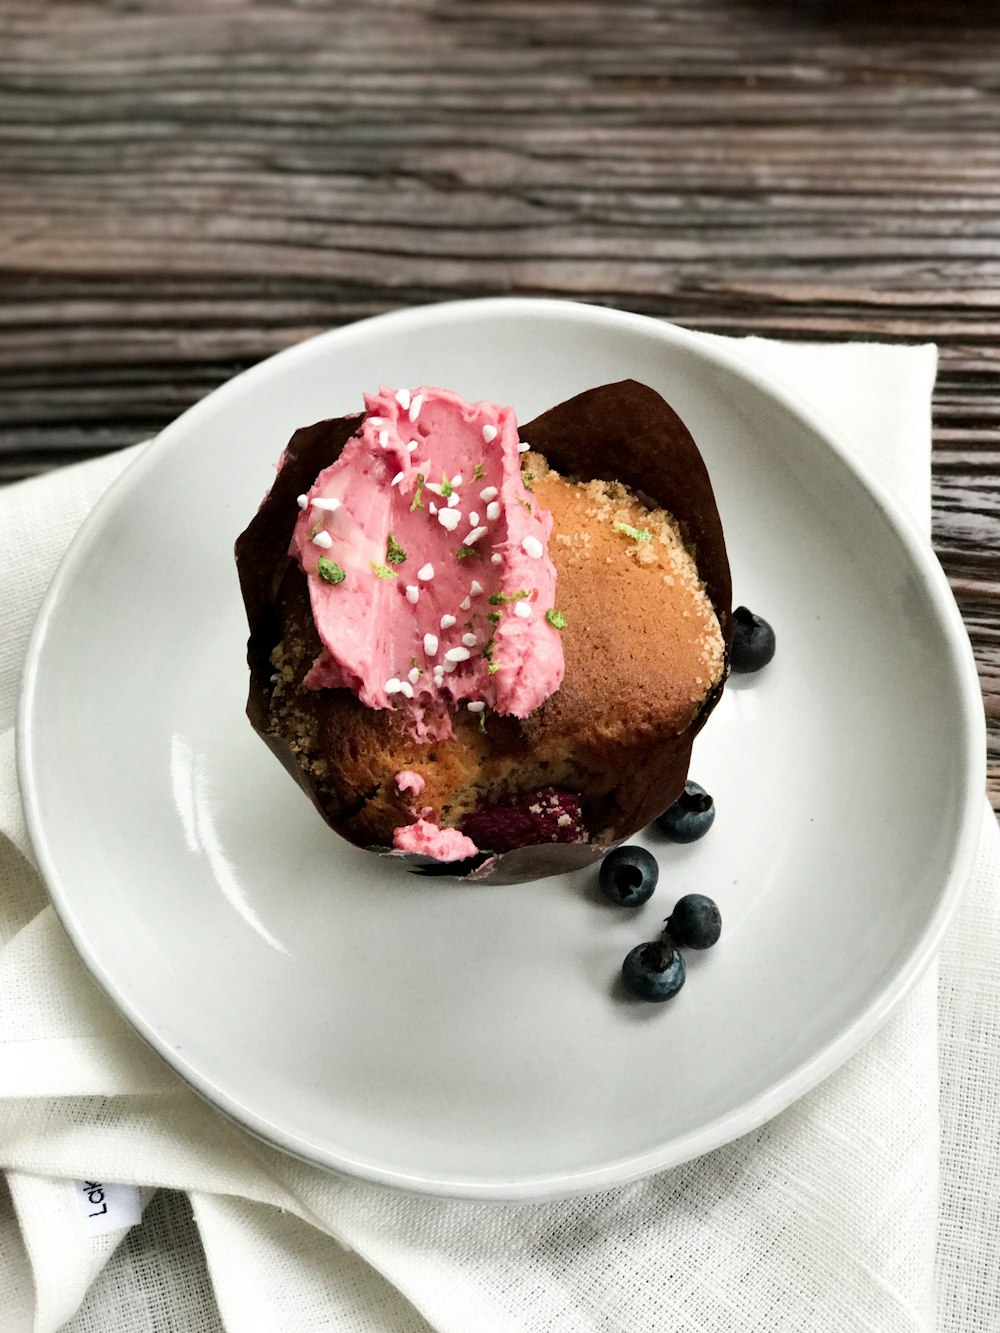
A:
x: 873, y: 1203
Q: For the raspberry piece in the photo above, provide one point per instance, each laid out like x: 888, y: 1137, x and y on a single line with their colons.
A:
x: 546, y: 815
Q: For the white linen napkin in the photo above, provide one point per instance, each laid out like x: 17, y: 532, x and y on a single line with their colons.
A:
x: 873, y: 1203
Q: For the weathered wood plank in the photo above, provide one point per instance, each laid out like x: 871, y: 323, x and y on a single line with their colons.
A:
x: 186, y: 189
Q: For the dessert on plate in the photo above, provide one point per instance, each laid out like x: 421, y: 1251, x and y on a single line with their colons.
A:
x: 485, y: 646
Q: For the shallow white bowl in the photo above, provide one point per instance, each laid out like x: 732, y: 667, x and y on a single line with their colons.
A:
x: 470, y: 1040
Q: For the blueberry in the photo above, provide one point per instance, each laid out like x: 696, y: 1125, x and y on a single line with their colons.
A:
x: 653, y: 971
x: 753, y: 641
x: 628, y: 876
x: 690, y: 817
x: 695, y: 922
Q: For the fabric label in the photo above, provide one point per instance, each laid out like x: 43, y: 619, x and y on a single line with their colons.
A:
x: 108, y: 1207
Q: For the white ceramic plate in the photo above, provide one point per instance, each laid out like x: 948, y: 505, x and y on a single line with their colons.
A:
x: 468, y: 1040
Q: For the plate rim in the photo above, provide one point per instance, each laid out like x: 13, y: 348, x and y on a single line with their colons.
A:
x: 722, y: 1129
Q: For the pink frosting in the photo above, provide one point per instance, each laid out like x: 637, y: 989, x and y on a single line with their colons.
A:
x: 373, y: 634
x: 407, y: 780
x: 426, y: 839
x: 381, y: 623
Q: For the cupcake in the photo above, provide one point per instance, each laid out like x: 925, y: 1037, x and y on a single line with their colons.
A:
x: 483, y: 647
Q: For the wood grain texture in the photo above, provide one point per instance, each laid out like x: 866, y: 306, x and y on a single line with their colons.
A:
x: 187, y: 187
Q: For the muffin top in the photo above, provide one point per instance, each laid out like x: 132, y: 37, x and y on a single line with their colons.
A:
x: 620, y: 574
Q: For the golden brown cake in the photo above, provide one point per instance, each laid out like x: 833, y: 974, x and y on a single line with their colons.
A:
x: 643, y: 619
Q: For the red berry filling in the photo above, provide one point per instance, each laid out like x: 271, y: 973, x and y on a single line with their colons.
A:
x: 547, y: 815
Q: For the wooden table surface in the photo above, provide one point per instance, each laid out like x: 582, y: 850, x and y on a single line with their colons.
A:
x: 189, y: 185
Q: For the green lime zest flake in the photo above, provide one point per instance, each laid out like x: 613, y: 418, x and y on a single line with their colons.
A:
x: 329, y: 572
x: 493, y: 617
x: 478, y: 472
x: 528, y: 478
x: 482, y: 723
x: 493, y: 666
x: 382, y: 571
x: 498, y: 598
x: 465, y: 552
x: 488, y: 649
x: 417, y: 502
x: 637, y: 534
x: 555, y: 618
x: 526, y: 504
x: 394, y: 553
x: 447, y: 489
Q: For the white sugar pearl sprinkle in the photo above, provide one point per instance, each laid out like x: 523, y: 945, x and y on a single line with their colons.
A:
x: 302, y: 501
x: 403, y: 399
x: 493, y: 510
x: 433, y: 508
x: 475, y: 706
x: 413, y: 675
x: 489, y: 434
x: 327, y: 506
x: 532, y: 546
x: 453, y: 500
x: 465, y: 604
x: 430, y: 644
x: 488, y: 493
x: 473, y: 518
x: 376, y: 421
x: 323, y: 539
x: 456, y: 655
x: 457, y: 479
x: 397, y: 478
x: 406, y: 689
x: 473, y: 536
x: 412, y: 445
x: 425, y: 573
x: 415, y: 406
x: 383, y: 438
x: 496, y: 558
x: 522, y: 609
x: 392, y: 685
x: 475, y: 588
x: 438, y: 675
x: 523, y: 448
x: 449, y: 519
x: 469, y: 640
x: 448, y: 621
x: 412, y: 593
